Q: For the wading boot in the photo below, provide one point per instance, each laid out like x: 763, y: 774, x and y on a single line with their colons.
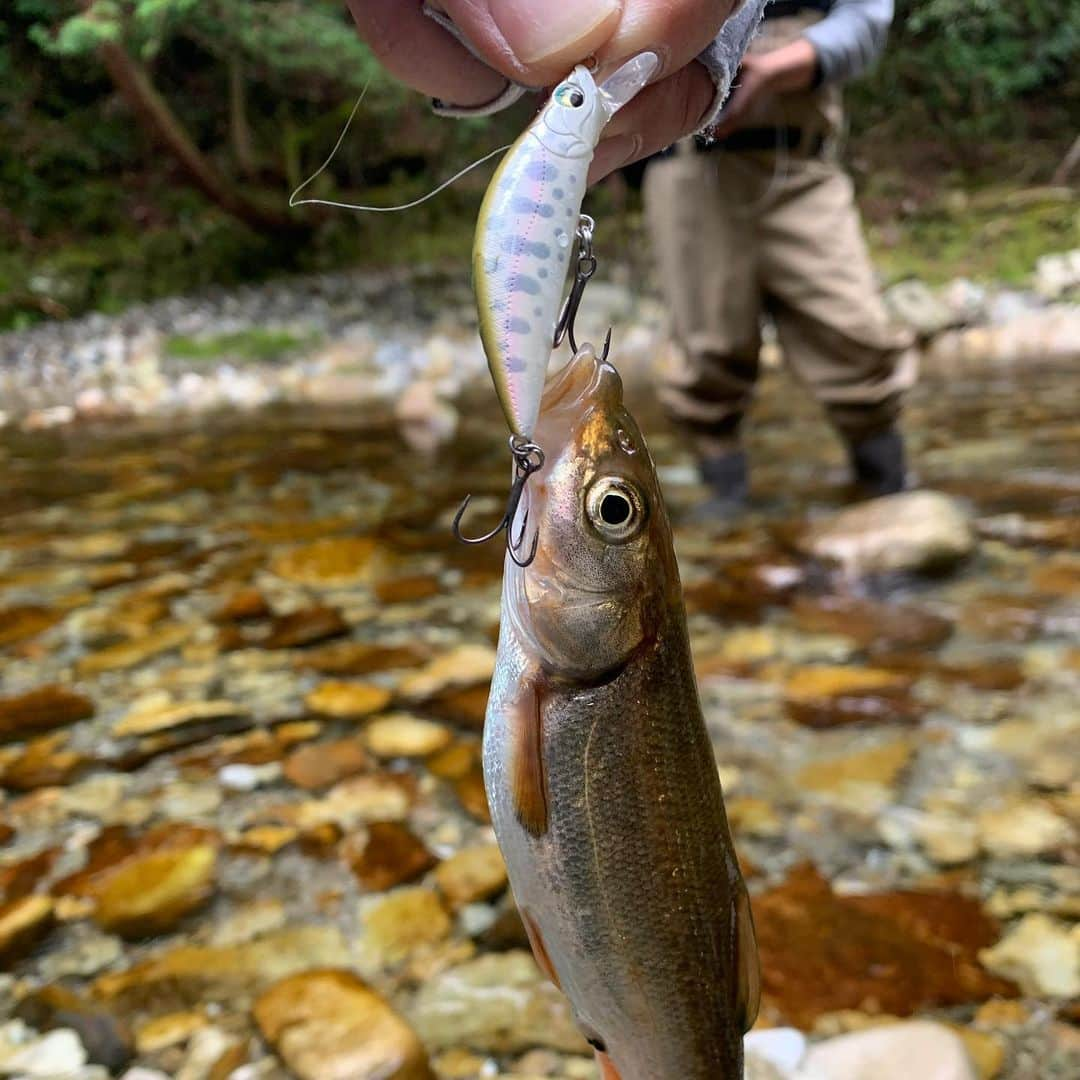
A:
x: 878, y: 463
x: 727, y: 475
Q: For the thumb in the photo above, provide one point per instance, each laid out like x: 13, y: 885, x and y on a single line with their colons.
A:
x: 537, y: 42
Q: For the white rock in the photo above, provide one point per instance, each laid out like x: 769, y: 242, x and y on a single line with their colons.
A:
x: 425, y: 420
x: 783, y: 1047
x: 240, y: 777
x: 1041, y: 954
x: 1058, y: 273
x: 913, y: 531
x: 58, y: 1053
x: 917, y: 1048
x: 914, y: 304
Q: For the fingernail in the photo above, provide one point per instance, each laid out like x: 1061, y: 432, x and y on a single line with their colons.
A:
x: 540, y: 31
x: 613, y: 153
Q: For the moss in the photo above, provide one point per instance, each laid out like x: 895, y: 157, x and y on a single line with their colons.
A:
x: 250, y: 345
x: 994, y: 235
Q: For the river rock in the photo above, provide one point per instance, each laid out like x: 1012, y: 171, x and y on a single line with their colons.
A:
x: 1025, y: 828
x: 892, y: 1052
x: 105, y: 1038
x: 402, y: 921
x: 472, y: 874
x: 916, y: 531
x: 388, y: 855
x: 318, y: 765
x: 403, y: 735
x: 1058, y: 273
x: 56, y: 1055
x: 333, y: 562
x: 43, y: 709
x: 348, y: 700
x: 826, y: 696
x: 914, y: 304
x: 23, y: 923
x: 466, y: 665
x: 1042, y: 954
x: 329, y: 1025
x: 499, y: 1003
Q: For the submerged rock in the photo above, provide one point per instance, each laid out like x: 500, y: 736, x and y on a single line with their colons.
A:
x: 892, y: 1052
x: 329, y: 1025
x: 39, y: 710
x: 917, y: 531
x: 1042, y: 954
x: 499, y: 1003
x: 23, y: 923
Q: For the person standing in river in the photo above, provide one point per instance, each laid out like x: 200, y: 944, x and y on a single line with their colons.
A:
x: 759, y: 216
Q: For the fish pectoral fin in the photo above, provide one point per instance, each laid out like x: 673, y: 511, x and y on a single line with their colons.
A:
x: 528, y: 774
x: 749, y: 966
x: 540, y: 952
x: 607, y: 1069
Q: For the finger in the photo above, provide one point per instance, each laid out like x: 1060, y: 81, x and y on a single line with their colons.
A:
x: 657, y: 117
x: 420, y: 53
x: 538, y: 41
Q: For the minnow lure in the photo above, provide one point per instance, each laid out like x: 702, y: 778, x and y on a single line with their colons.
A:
x: 526, y: 228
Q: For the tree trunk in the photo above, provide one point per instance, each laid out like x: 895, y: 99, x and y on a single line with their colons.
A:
x: 153, y: 111
x: 239, y: 130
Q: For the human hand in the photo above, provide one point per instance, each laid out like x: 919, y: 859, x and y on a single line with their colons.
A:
x: 537, y: 42
x: 763, y: 75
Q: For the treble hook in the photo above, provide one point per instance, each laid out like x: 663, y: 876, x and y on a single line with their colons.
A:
x: 586, y: 267
x: 528, y: 457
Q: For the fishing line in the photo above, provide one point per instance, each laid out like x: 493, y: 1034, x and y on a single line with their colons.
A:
x: 294, y: 201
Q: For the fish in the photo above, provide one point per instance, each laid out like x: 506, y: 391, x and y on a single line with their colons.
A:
x: 526, y: 228
x: 600, y: 775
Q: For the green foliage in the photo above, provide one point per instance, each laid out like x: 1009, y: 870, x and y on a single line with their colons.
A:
x: 970, y: 70
x: 254, y: 344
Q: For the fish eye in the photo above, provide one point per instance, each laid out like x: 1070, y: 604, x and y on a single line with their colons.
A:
x: 615, y: 509
x: 570, y: 95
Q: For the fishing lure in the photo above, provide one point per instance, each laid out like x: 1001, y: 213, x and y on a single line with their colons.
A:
x: 526, y: 229
x: 525, y: 236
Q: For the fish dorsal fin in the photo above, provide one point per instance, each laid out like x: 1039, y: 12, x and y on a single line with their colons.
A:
x: 528, y: 774
x: 749, y: 966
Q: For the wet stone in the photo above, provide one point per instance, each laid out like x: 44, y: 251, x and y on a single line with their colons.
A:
x: 402, y: 735
x: 388, y: 854
x: 824, y: 697
x: 25, y: 621
x: 472, y: 874
x: 308, y: 626
x: 319, y: 765
x: 23, y: 923
x: 870, y: 625
x: 129, y: 654
x: 105, y: 1038
x: 360, y: 658
x: 814, y: 943
x: 43, y: 709
x: 331, y: 562
x: 464, y: 666
x: 1042, y: 954
x: 404, y: 920
x: 348, y: 700
x: 330, y: 1025
x: 170, y: 716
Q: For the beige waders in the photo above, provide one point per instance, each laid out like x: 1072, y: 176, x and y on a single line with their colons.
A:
x: 740, y: 231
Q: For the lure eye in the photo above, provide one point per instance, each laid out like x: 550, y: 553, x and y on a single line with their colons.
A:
x: 615, y: 509
x: 570, y: 96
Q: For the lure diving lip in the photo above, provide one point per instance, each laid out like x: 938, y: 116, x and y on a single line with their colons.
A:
x: 526, y: 228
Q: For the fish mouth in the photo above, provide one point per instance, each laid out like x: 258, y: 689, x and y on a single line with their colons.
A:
x: 585, y: 380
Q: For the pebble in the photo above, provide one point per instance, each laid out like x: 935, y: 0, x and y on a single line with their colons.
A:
x: 1042, y: 954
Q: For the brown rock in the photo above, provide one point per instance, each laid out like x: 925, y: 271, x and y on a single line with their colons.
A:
x: 402, y: 921
x: 144, y: 885
x: 149, y: 894
x: 825, y: 696
x: 128, y: 654
x: 173, y: 716
x: 360, y: 658
x: 19, y: 879
x: 890, y: 952
x: 1000, y: 674
x: 23, y: 923
x: 25, y: 621
x: 464, y: 666
x: 1058, y: 577
x: 401, y: 735
x: 192, y: 975
x: 471, y: 794
x: 455, y: 761
x: 375, y: 797
x: 43, y: 709
x: 334, y: 562
x: 879, y: 765
x: 472, y: 874
x: 318, y: 765
x: 351, y: 700
x: 1004, y: 616
x: 871, y: 625
x: 264, y: 839
x: 306, y: 627
x: 245, y: 605
x: 161, y: 1032
x: 463, y: 707
x: 388, y: 855
x: 404, y: 590
x: 43, y: 762
x: 329, y: 1025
